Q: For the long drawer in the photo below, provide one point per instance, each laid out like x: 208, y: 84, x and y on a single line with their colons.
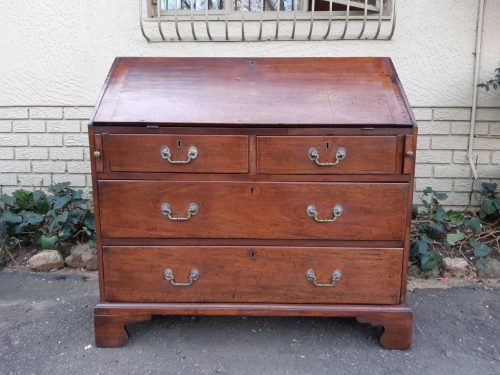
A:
x: 178, y: 153
x: 328, y: 155
x: 252, y: 274
x: 335, y: 211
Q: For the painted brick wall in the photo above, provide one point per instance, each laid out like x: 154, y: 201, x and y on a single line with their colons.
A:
x: 442, y: 149
x: 39, y: 145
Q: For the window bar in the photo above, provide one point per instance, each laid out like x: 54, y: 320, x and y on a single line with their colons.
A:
x: 348, y: 9
x: 141, y: 22
x: 206, y: 20
x: 242, y: 10
x: 313, y: 5
x: 277, y: 20
x: 379, y: 26
x: 176, y: 21
x: 158, y: 10
x: 294, y: 18
x: 226, y: 20
x: 393, y: 20
x: 330, y: 15
x: 192, y: 4
x: 365, y: 13
x: 261, y: 19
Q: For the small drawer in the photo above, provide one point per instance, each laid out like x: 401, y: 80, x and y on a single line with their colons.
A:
x: 256, y: 274
x: 328, y: 155
x: 178, y: 153
x: 281, y: 210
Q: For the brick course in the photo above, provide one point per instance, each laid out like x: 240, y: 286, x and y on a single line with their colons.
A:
x: 40, y: 145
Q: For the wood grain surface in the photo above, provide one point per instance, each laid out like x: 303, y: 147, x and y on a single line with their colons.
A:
x: 141, y: 153
x: 364, y: 155
x: 254, y: 91
x: 371, y: 211
x: 252, y: 274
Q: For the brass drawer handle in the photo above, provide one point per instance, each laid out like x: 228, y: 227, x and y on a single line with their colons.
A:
x: 191, y: 155
x: 311, y: 277
x: 194, y: 275
x: 337, y: 212
x: 340, y: 155
x: 167, y: 211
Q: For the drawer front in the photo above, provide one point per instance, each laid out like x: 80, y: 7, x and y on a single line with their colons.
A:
x: 241, y: 274
x: 178, y: 153
x: 328, y: 155
x: 342, y: 211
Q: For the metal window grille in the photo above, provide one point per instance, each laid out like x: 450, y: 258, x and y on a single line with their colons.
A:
x: 265, y: 20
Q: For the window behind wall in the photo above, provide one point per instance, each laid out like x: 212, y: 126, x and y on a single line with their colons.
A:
x: 249, y: 20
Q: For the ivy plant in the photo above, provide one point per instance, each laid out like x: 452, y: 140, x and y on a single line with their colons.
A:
x: 47, y: 218
x: 495, y: 82
x: 429, y: 231
x: 490, y: 201
x: 436, y: 228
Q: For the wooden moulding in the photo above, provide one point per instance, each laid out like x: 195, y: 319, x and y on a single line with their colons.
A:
x: 110, y: 319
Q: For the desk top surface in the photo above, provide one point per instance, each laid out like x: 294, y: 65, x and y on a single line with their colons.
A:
x: 253, y: 92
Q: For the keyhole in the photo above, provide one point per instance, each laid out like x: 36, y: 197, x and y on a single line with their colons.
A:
x: 327, y: 146
x: 252, y: 190
x: 179, y: 143
x: 252, y: 254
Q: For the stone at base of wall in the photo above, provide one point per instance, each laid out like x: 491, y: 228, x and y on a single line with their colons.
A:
x: 42, y: 145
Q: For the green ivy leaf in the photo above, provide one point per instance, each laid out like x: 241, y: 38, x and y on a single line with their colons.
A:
x: 59, y: 187
x: 24, y: 198
x: 440, y: 214
x: 428, y: 190
x: 480, y: 249
x: 61, y: 201
x: 453, y: 238
x: 61, y: 218
x: 487, y: 208
x: 455, y: 217
x: 31, y: 218
x: 441, y: 196
x: 8, y: 200
x: 474, y: 224
x: 430, y: 260
x: 496, y: 202
x: 9, y: 217
x: 434, y: 230
x: 47, y: 242
x: 89, y: 222
x: 422, y: 247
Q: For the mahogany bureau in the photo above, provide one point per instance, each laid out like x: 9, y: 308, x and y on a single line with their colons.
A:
x: 239, y: 186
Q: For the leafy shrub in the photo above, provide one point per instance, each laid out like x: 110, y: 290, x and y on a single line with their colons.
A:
x: 62, y: 215
x: 436, y: 229
x: 495, y: 82
x: 490, y: 201
x: 428, y: 231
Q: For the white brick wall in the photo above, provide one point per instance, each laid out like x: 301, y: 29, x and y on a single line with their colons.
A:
x: 39, y: 145
x: 442, y: 151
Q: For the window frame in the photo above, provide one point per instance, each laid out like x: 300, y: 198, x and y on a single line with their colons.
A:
x: 356, y: 11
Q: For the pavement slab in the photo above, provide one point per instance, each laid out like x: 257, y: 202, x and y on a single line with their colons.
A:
x: 46, y: 328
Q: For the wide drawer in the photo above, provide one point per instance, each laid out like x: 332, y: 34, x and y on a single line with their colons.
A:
x: 178, y: 153
x: 241, y: 274
x: 327, y: 155
x: 161, y: 209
